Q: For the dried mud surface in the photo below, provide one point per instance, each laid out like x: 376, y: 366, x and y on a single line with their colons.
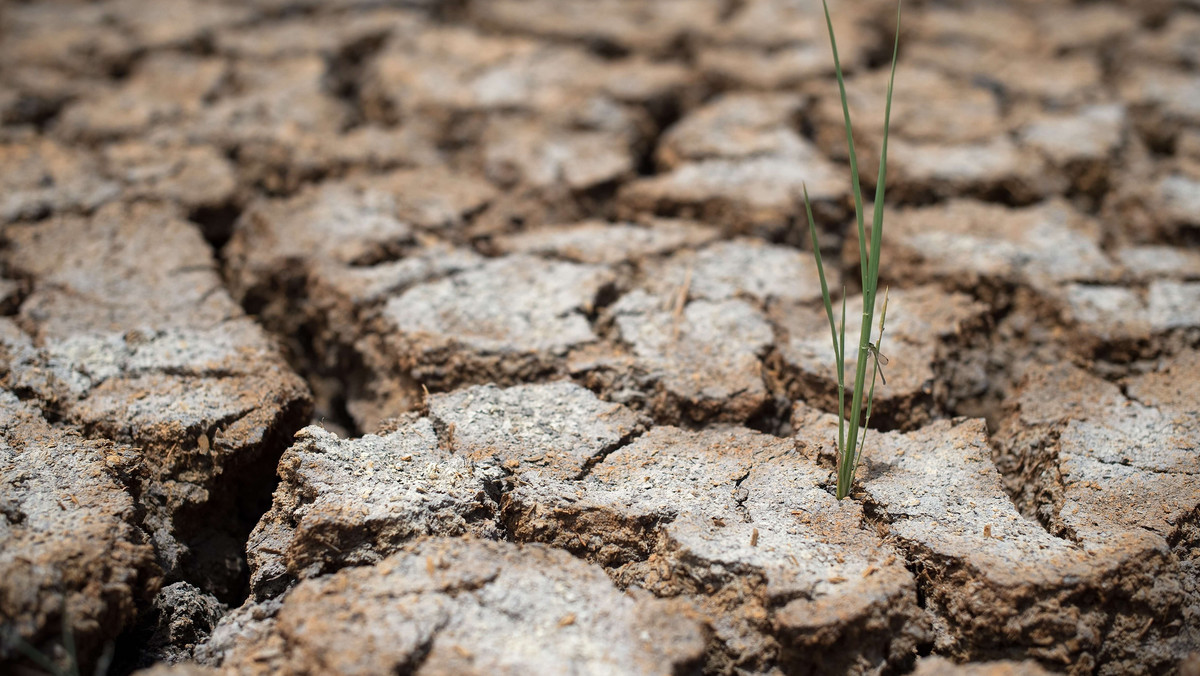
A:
x: 457, y: 337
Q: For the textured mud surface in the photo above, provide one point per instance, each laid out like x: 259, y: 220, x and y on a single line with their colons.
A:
x: 484, y: 337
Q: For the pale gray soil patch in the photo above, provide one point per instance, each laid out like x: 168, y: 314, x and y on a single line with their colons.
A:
x: 609, y: 243
x: 940, y: 666
x: 164, y: 90
x: 69, y: 536
x: 927, y: 330
x: 1077, y: 451
x: 741, y: 164
x: 352, y: 502
x: 43, y: 177
x: 128, y: 334
x: 769, y: 45
x: 347, y: 502
x: 747, y: 535
x: 433, y: 607
x: 612, y: 24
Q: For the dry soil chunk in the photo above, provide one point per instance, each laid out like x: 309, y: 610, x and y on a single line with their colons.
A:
x: 737, y: 522
x: 528, y: 153
x: 181, y: 617
x: 508, y: 319
x: 330, y: 36
x: 1079, y: 146
x: 1072, y: 79
x: 1174, y: 207
x: 1077, y: 27
x: 627, y: 25
x: 739, y: 163
x: 194, y: 177
x: 1091, y: 135
x: 281, y: 99
x: 42, y: 177
x: 166, y: 89
x: 151, y: 24
x: 608, y: 243
x: 69, y: 536
x: 947, y: 139
x: 994, y: 169
x: 1147, y: 262
x: 1114, y: 468
x: 353, y: 222
x: 552, y: 120
x: 454, y: 606
x: 925, y: 338
x: 30, y: 94
x: 930, y: 107
x: 62, y: 35
x: 762, y: 273
x: 757, y: 195
x: 1177, y: 43
x: 736, y: 126
x: 442, y: 72
x: 351, y: 292
x: 134, y: 339
x: 1003, y: 49
x: 1125, y: 321
x: 691, y: 341
x: 127, y: 267
x: 940, y: 666
x: 766, y: 44
x: 346, y: 502
x: 557, y: 428
x: 1054, y: 250
x: 996, y: 579
x: 336, y: 306
x: 696, y: 362
x: 279, y: 119
x: 1156, y: 204
x: 966, y: 242
x: 178, y: 669
x: 1165, y: 101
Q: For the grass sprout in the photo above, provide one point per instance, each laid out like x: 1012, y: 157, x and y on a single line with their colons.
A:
x: 849, y: 444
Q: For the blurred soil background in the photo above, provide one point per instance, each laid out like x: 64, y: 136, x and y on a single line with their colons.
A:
x: 470, y: 336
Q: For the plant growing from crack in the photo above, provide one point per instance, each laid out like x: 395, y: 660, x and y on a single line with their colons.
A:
x: 849, y: 444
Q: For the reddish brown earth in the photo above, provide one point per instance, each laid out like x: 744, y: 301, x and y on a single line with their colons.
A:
x: 356, y: 337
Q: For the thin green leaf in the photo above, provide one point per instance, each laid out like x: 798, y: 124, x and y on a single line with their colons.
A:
x: 69, y: 641
x: 36, y: 656
x: 842, y: 378
x: 874, y: 372
x: 869, y: 264
x: 812, y: 229
x: 881, y: 182
x: 858, y: 205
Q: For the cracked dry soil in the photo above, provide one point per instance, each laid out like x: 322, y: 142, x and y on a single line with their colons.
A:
x: 466, y: 336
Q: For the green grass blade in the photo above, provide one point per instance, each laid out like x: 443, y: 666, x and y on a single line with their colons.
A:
x: 872, y: 275
x: 869, y: 264
x: 69, y: 641
x: 36, y: 656
x: 842, y: 379
x: 881, y: 183
x: 839, y: 350
x: 874, y: 372
x: 812, y: 229
x: 849, y: 446
x: 866, y: 422
x: 858, y: 205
